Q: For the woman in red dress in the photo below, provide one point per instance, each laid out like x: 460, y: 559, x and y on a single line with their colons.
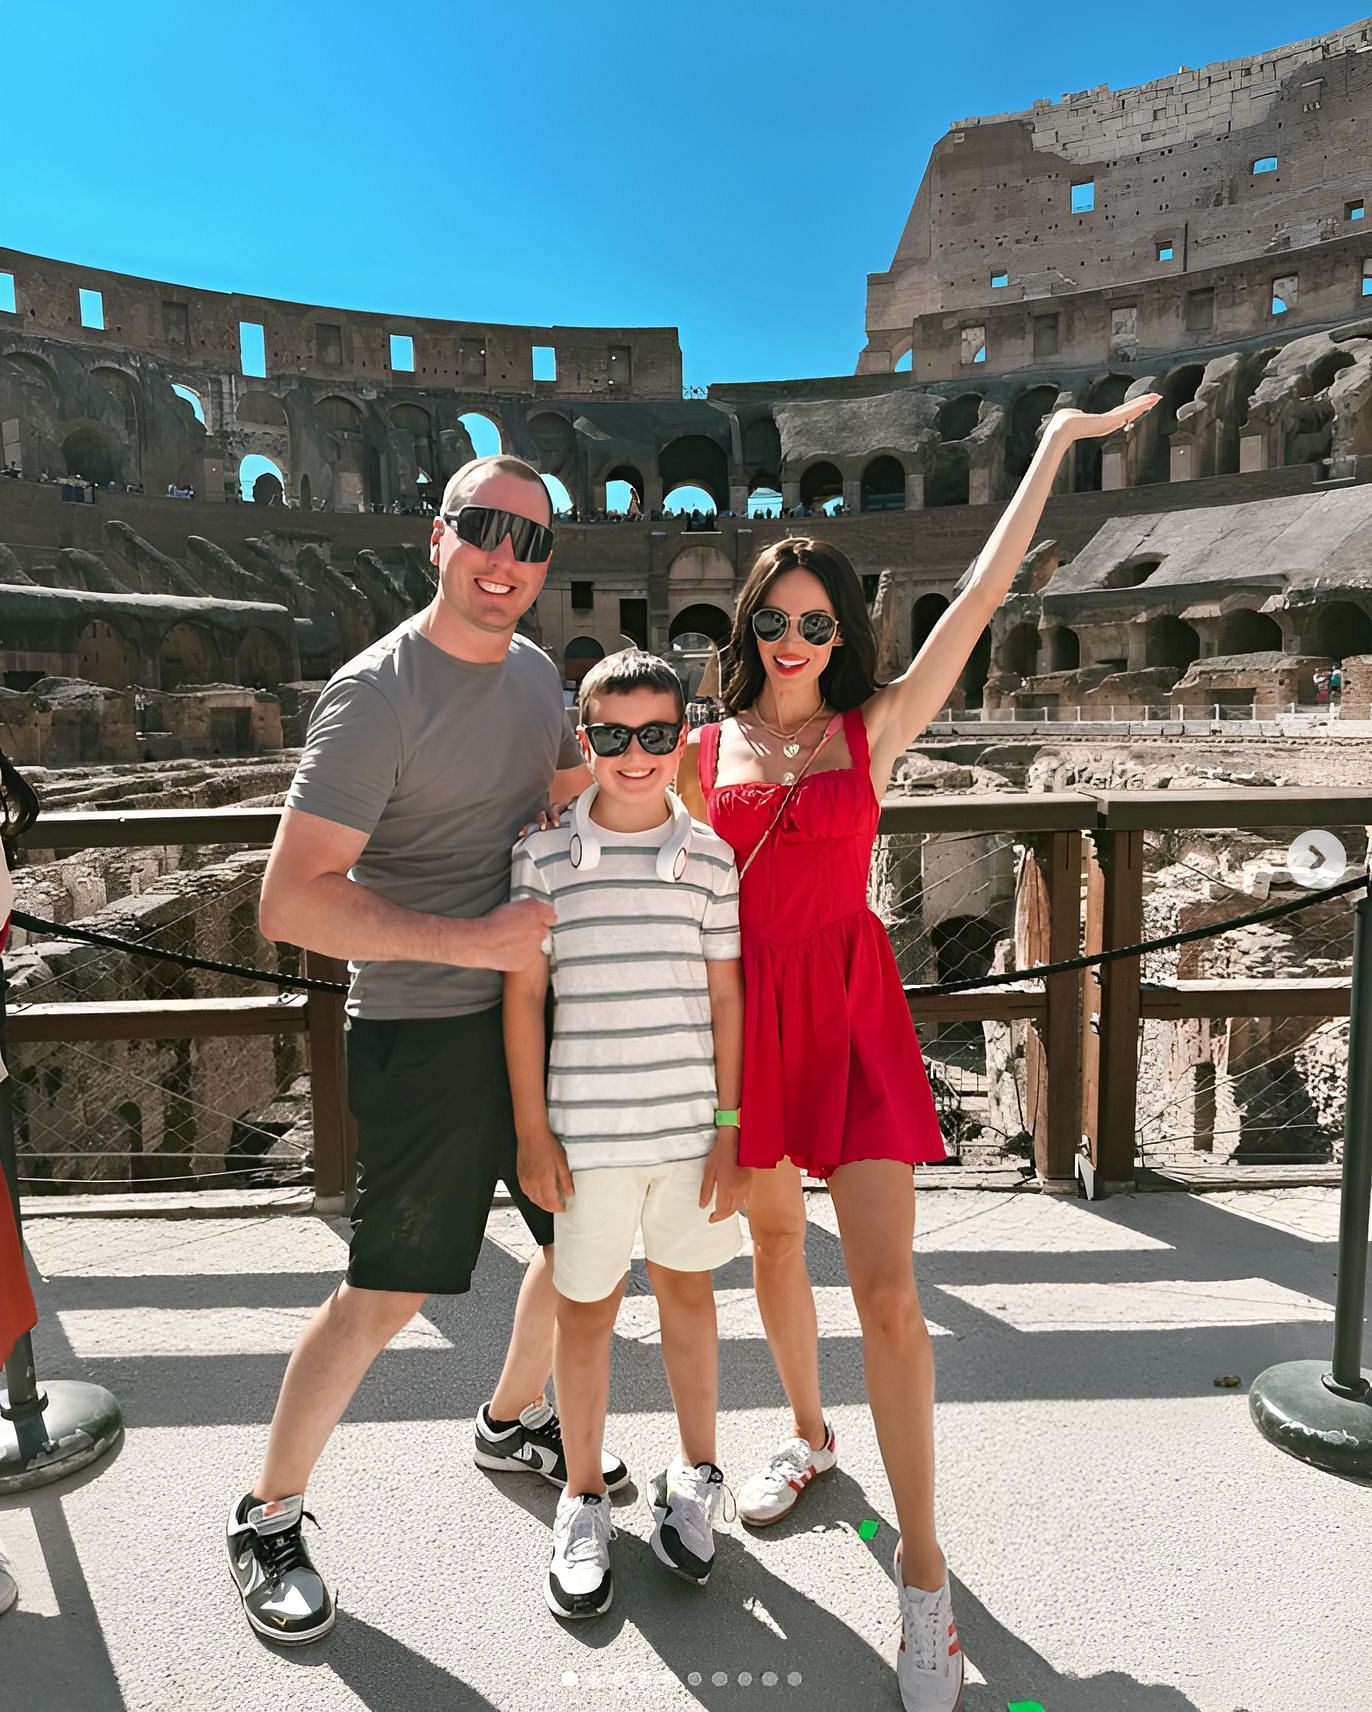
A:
x: 833, y: 1081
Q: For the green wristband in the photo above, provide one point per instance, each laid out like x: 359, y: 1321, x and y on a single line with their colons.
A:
x: 727, y: 1120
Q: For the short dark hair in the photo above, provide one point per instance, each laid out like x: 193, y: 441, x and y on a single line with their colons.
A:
x: 850, y: 677
x: 497, y: 464
x: 630, y: 669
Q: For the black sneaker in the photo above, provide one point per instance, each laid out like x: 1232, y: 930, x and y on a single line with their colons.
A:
x: 579, y: 1582
x: 283, y: 1594
x: 535, y: 1444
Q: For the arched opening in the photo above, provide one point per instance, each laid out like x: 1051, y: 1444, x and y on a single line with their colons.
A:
x: 580, y: 655
x: 188, y: 656
x: 1248, y: 632
x: 624, y: 491
x: 558, y: 494
x: 925, y: 614
x: 306, y: 494
x: 904, y: 357
x: 103, y: 656
x: 820, y: 485
x: 261, y: 410
x: 1131, y: 573
x: 1020, y: 651
x: 712, y: 622
x: 1064, y: 650
x: 1021, y: 442
x: 883, y: 485
x: 949, y: 479
x: 1178, y: 389
x: 1105, y: 394
x: 555, y: 439
x: 356, y: 469
x: 128, y: 397
x: 698, y: 462
x: 974, y: 673
x: 682, y: 501
x: 414, y: 423
x: 262, y: 660
x: 1339, y: 630
x: 195, y: 401
x: 260, y: 480
x: 765, y: 500
x: 482, y: 434
x: 1170, y: 642
x: 762, y: 451
x: 958, y: 416
x: 1322, y: 373
x: 91, y: 454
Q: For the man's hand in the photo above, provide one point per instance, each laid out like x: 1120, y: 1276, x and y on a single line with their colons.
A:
x: 724, y: 1178
x: 544, y: 1174
x: 512, y: 935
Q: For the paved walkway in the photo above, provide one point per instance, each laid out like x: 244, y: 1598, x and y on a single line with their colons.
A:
x: 1121, y: 1538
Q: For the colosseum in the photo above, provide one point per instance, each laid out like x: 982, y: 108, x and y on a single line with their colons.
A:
x: 209, y: 501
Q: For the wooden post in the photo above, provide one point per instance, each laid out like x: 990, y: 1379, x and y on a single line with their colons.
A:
x: 1110, y: 1034
x: 335, y: 1137
x: 1051, y: 933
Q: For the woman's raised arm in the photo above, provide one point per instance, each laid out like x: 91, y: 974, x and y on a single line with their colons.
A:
x: 898, y: 713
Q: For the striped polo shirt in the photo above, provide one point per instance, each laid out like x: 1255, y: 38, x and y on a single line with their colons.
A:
x: 631, y: 1080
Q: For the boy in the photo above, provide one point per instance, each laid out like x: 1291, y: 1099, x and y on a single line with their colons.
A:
x: 638, y: 1126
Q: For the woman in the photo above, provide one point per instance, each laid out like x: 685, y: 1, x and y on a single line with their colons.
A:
x: 833, y: 1083
x: 18, y: 810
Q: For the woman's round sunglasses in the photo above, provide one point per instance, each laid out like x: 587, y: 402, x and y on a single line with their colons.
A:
x: 770, y: 624
x: 657, y: 737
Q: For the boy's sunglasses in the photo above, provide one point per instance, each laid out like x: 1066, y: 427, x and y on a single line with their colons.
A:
x: 657, y: 737
x: 485, y: 527
x: 770, y: 624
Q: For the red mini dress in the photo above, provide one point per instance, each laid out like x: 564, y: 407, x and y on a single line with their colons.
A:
x: 832, y: 1070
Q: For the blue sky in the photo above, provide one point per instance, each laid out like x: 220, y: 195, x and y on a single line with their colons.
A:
x: 735, y: 171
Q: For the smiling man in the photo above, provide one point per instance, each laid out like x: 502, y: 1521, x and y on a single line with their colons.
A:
x: 425, y: 757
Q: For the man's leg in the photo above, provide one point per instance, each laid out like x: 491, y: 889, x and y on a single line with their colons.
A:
x: 328, y: 1364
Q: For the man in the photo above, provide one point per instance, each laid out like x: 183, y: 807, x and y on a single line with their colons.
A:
x: 425, y: 757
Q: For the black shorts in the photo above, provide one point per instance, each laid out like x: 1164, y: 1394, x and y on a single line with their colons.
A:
x: 435, y: 1133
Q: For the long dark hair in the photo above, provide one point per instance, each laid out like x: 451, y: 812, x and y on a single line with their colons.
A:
x: 851, y: 675
x: 18, y: 800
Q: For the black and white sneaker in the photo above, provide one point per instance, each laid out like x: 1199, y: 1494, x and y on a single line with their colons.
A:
x: 283, y: 1594
x: 685, y: 1502
x: 578, y: 1583
x: 534, y: 1443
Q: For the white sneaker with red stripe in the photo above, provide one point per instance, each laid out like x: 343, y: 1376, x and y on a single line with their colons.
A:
x: 929, y: 1663
x: 771, y: 1494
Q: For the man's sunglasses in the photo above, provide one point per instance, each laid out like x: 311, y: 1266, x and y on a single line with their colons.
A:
x: 485, y: 527
x: 657, y: 737
x: 770, y: 624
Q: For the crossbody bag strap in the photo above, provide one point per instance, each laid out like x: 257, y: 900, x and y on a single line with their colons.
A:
x: 829, y: 730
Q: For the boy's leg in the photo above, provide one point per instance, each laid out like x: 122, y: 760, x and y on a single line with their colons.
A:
x: 529, y: 1357
x: 581, y: 1372
x: 690, y: 1353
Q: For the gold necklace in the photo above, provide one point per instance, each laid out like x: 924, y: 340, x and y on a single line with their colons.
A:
x: 789, y: 740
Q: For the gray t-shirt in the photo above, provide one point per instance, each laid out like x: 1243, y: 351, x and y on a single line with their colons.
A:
x: 441, y: 763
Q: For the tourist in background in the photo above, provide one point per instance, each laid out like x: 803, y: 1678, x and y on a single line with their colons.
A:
x: 833, y: 1082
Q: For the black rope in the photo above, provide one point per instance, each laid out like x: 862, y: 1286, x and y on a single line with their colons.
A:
x: 308, y: 983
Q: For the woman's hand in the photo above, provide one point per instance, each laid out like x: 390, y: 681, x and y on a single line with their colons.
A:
x: 1070, y: 425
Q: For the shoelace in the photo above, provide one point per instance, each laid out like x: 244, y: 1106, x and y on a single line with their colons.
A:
x: 788, y: 1463
x: 922, y: 1638
x: 283, y: 1552
x: 584, y: 1530
x: 702, y: 1486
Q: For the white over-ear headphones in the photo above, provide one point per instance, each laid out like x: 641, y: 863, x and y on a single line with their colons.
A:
x: 584, y: 848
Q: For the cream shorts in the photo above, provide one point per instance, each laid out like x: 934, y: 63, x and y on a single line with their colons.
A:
x: 593, y: 1241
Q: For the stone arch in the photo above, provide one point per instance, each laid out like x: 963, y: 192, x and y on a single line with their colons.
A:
x: 883, y: 484
x: 1131, y: 573
x: 1322, y: 372
x: 1248, y: 632
x: 482, y: 433
x: 356, y: 465
x: 949, y: 481
x: 820, y: 482
x: 1338, y: 629
x: 90, y: 451
x: 262, y: 660
x: 762, y: 449
x: 696, y: 461
x: 343, y: 415
x: 260, y: 480
x: 700, y: 564
x: 924, y: 615
x: 306, y: 494
x: 258, y: 409
x: 188, y: 654
x: 1019, y: 652
x: 580, y: 654
x: 127, y: 393
x: 702, y: 618
x: 629, y: 477
x: 957, y: 417
x: 559, y: 495
x: 1169, y: 641
x: 34, y: 371
x: 417, y: 424
x: 1064, y: 649
x: 1177, y: 388
x: 555, y: 439
x: 1021, y: 442
x: 189, y: 396
x: 1104, y: 393
x: 104, y: 655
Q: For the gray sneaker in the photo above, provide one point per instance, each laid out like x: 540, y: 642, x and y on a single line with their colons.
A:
x: 685, y: 1502
x: 283, y: 1594
x: 9, y: 1587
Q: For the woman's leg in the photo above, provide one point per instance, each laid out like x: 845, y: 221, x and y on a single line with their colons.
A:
x: 875, y: 1203
x: 581, y: 1376
x: 776, y: 1218
x: 690, y: 1353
